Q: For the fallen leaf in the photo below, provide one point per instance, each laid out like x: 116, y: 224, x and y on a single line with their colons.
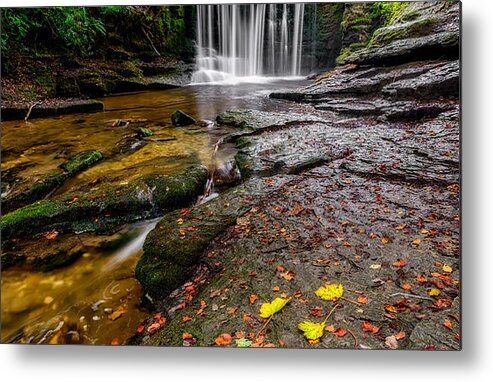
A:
x: 385, y: 240
x: 330, y: 328
x: 186, y: 318
x: 433, y: 292
x: 340, y: 332
x: 289, y: 275
x: 362, y: 299
x: 368, y: 327
x: 400, y: 336
x: 416, y: 242
x: 406, y: 286
x: 223, y: 339
x: 447, y: 269
x: 252, y: 298
x: 152, y: 328
x: 330, y: 292
x: 269, y: 308
x: 232, y: 310
x: 296, y: 210
x: 390, y: 308
x: 186, y: 336
x: 140, y: 328
x: 421, y: 279
x: 400, y: 263
x: 447, y: 324
x: 312, y: 330
x: 117, y: 314
x: 276, y: 289
x: 391, y: 342
x: 243, y: 343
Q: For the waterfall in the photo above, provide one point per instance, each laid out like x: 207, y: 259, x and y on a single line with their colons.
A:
x: 236, y: 41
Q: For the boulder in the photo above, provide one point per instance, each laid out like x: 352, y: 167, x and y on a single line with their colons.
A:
x: 180, y: 118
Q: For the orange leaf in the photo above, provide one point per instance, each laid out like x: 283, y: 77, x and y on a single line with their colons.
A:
x: 340, y: 332
x: 390, y: 308
x: 417, y: 242
x: 367, y: 327
x: 252, y: 298
x: 362, y: 299
x: 421, y: 279
x: 186, y: 336
x: 400, y: 263
x: 280, y: 268
x: 232, y: 310
x: 385, y: 240
x: 330, y: 328
x: 140, y: 328
x: 223, y: 339
x: 406, y: 286
x: 276, y: 289
x: 186, y: 318
x: 247, y: 317
x: 400, y: 336
x: 447, y: 324
x: 115, y: 342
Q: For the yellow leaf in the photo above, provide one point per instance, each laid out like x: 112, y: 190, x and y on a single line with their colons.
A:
x: 434, y: 292
x: 269, y: 308
x: 330, y: 292
x: 311, y: 330
x: 447, y: 269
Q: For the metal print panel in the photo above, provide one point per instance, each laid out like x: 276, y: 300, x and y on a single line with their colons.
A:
x: 233, y: 175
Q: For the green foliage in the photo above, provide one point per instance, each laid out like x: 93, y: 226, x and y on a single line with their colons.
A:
x: 85, y: 31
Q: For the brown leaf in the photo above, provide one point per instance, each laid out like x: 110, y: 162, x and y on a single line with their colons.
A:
x: 340, y: 332
x: 296, y: 210
x: 391, y: 342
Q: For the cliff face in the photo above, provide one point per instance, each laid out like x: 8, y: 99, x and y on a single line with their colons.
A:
x: 416, y: 31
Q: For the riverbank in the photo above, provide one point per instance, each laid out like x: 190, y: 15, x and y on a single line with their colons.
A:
x: 358, y: 185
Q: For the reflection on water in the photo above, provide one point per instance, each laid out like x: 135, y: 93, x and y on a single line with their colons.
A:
x: 96, y: 299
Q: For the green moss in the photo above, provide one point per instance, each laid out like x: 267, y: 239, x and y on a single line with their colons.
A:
x: 160, y: 278
x: 82, y: 161
x: 114, y: 205
x: 178, y: 190
x: 244, y: 164
x: 243, y: 142
x: 143, y: 132
x: 409, y: 30
x: 26, y: 218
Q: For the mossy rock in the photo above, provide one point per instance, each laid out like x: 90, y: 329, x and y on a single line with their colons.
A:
x: 416, y: 28
x: 113, y: 205
x: 49, y: 183
x: 180, y: 118
x: 161, y: 278
x: 142, y: 132
x: 243, y: 142
x: 82, y: 161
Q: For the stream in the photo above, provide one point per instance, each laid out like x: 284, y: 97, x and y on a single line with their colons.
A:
x: 96, y: 299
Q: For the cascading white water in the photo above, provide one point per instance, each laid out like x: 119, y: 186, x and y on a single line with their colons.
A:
x: 248, y: 41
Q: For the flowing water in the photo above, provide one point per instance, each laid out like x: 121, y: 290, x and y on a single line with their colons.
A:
x: 97, y: 299
x: 236, y: 42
